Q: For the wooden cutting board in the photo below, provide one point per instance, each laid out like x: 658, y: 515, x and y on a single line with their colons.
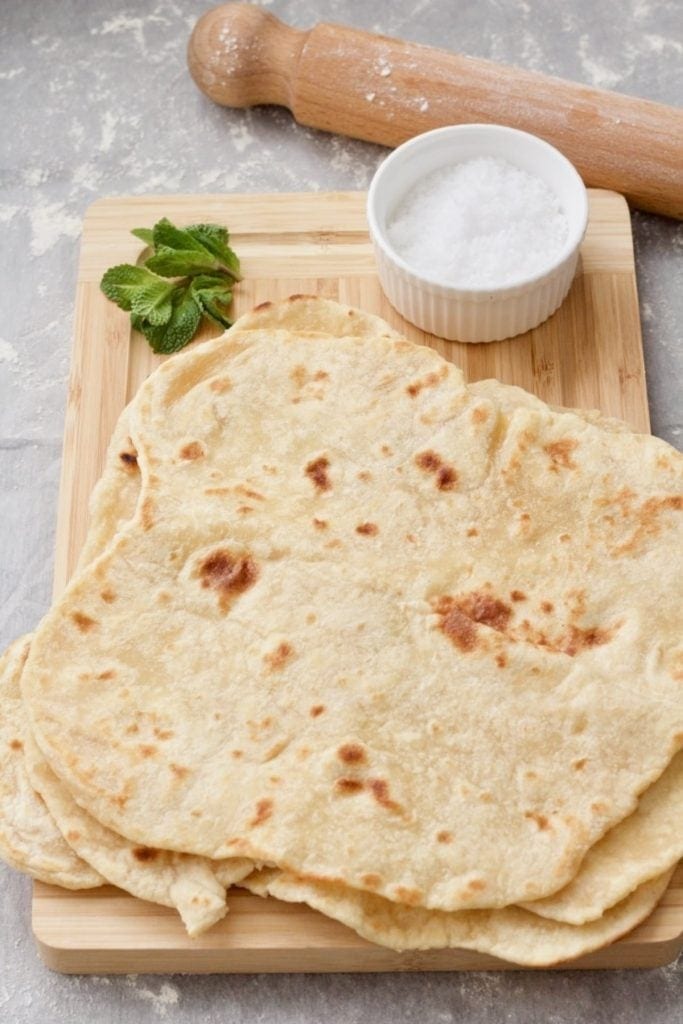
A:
x: 589, y: 354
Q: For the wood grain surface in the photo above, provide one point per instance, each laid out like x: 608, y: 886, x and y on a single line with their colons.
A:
x: 106, y: 931
x: 589, y: 354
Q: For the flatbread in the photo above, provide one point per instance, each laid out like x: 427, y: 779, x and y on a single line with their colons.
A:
x: 51, y: 860
x: 644, y: 845
x: 115, y: 495
x: 511, y: 934
x: 29, y: 839
x: 216, y: 588
x: 195, y: 886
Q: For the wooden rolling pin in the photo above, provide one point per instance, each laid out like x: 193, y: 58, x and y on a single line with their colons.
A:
x: 384, y: 90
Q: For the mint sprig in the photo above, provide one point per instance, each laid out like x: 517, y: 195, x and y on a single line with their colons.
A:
x: 189, y: 275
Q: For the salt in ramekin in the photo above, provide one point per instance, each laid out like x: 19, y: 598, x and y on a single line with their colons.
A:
x: 475, y: 314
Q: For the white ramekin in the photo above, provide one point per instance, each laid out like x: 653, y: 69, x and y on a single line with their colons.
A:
x: 475, y: 314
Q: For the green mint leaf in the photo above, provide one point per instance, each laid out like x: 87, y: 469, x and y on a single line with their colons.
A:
x: 209, y: 232
x: 181, y: 327
x: 213, y: 286
x: 210, y: 294
x: 154, y: 301
x: 189, y: 275
x: 181, y: 262
x: 213, y: 311
x: 183, y: 323
x: 122, y: 283
x: 171, y: 237
x: 151, y: 333
x: 145, y: 235
x: 215, y: 240
x: 216, y: 284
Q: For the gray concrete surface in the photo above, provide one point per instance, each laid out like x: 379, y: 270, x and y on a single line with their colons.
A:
x: 96, y: 100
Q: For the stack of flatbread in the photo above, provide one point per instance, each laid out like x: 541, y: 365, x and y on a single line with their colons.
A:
x: 351, y: 632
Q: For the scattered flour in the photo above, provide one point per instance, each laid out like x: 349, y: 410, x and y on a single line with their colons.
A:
x: 345, y: 164
x: 86, y: 175
x: 12, y: 73
x: 240, y: 136
x: 108, y: 131
x: 568, y: 21
x: 159, y: 1001
x: 7, y: 212
x: 34, y: 176
x: 122, y: 23
x: 598, y: 74
x: 8, y: 354
x: 658, y: 44
x: 228, y: 41
x: 370, y: 96
x: 641, y: 9
x: 532, y: 55
x: 46, y: 44
x: 49, y: 223
x: 210, y: 177
x: 76, y: 131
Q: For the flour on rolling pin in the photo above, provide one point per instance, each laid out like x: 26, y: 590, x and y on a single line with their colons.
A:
x: 477, y: 224
x: 386, y: 90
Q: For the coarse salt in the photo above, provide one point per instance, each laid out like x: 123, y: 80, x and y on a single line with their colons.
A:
x: 477, y: 224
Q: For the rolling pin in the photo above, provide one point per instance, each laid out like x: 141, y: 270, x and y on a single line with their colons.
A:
x: 385, y: 90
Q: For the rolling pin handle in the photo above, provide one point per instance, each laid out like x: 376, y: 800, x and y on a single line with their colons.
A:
x: 240, y: 56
